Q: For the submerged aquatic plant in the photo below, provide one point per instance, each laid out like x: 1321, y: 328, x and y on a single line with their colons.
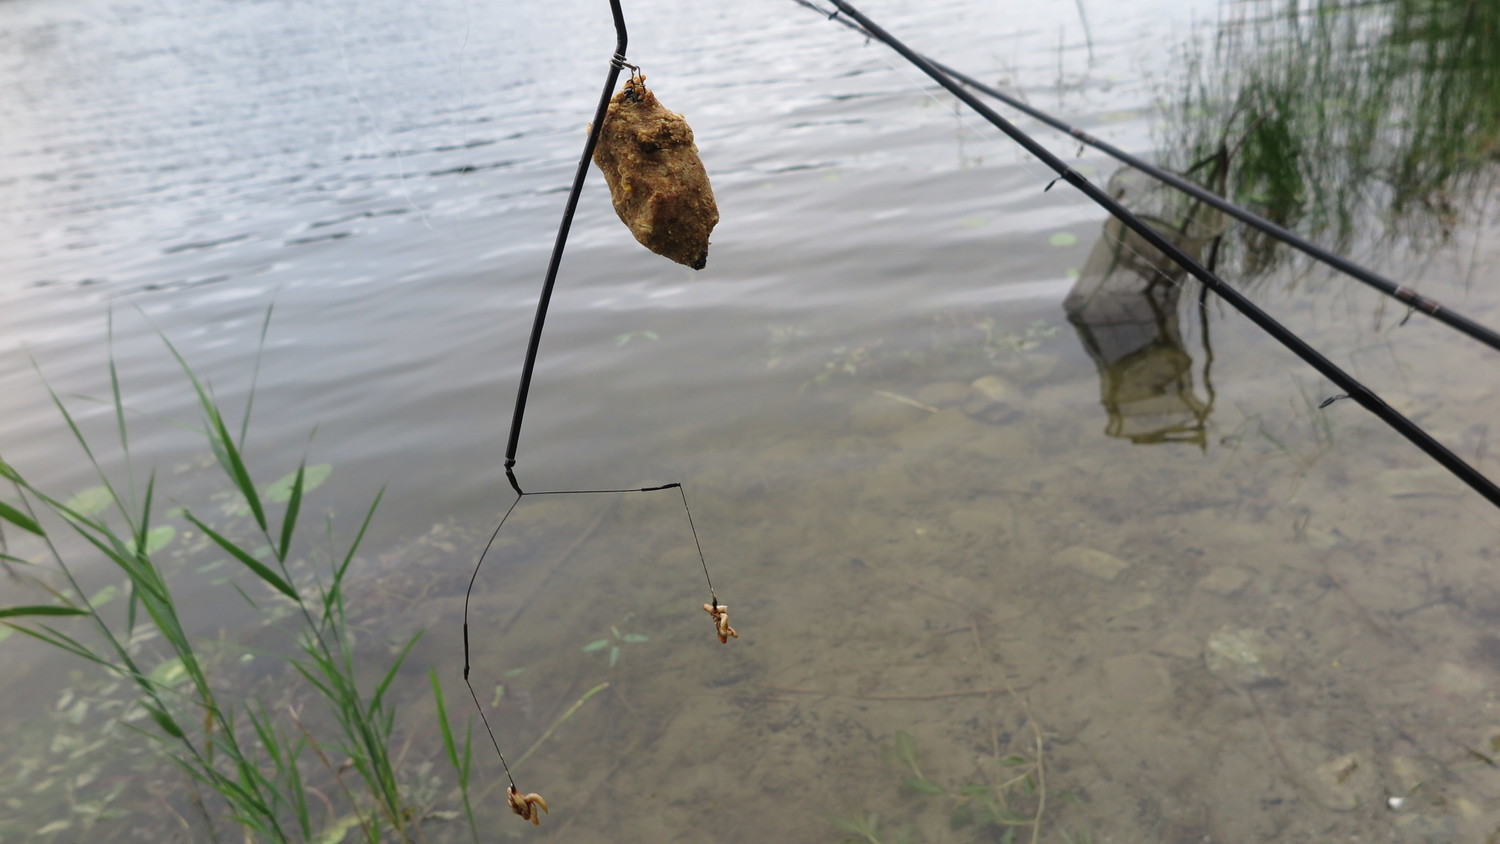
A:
x: 1000, y: 806
x: 615, y: 641
x: 982, y: 804
x: 245, y: 760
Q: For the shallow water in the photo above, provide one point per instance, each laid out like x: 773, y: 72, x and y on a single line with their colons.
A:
x: 1192, y: 638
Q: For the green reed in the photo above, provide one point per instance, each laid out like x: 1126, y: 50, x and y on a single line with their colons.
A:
x: 1333, y: 113
x: 258, y: 762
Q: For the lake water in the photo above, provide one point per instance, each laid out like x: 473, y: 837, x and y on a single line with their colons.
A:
x: 1259, y: 629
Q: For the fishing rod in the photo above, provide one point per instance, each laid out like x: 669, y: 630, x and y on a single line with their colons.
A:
x: 616, y: 64
x: 1400, y: 292
x: 1352, y: 388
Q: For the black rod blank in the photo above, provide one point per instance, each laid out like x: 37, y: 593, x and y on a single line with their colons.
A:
x: 1357, y: 391
x: 615, y: 64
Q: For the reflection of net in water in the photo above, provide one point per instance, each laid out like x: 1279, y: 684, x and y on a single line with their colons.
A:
x: 1125, y: 309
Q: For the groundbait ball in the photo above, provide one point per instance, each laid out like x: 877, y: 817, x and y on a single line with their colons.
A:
x: 657, y: 182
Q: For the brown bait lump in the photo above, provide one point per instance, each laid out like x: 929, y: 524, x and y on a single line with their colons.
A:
x: 656, y: 180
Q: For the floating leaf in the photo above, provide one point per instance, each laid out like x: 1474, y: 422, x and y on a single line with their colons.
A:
x: 280, y: 492
x: 597, y: 644
x: 499, y: 693
x: 336, y: 831
x: 515, y: 671
x: 91, y: 501
x: 168, y: 673
x: 622, y: 339
x: 104, y: 596
x: 614, y: 656
x: 1013, y: 760
x: 158, y: 538
x: 636, y: 638
x: 1063, y: 239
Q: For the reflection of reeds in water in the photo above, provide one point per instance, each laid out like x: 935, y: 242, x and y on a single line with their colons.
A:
x: 1337, y: 110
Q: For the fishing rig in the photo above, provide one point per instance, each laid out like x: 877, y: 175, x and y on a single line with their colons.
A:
x: 661, y: 192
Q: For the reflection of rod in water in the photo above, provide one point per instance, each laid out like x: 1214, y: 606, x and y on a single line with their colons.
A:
x: 1357, y: 391
x: 1406, y: 295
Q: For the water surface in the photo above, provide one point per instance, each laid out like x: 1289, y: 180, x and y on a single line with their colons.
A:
x: 1196, y: 640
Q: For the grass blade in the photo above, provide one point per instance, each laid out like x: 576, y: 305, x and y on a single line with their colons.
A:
x: 20, y: 520
x: 391, y: 675
x: 561, y: 719
x: 223, y: 444
x: 167, y: 723
x: 236, y: 466
x: 260, y: 349
x: 83, y: 443
x: 289, y: 522
x: 45, y: 609
x: 145, y: 526
x: 119, y: 403
x: 335, y: 592
x: 61, y: 642
x: 260, y: 569
x: 442, y: 711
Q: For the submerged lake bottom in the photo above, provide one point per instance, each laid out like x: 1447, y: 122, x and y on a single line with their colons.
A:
x: 973, y: 605
x: 957, y: 622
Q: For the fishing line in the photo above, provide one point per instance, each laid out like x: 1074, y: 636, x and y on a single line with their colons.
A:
x: 526, y: 805
x: 396, y: 153
x: 1357, y: 391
